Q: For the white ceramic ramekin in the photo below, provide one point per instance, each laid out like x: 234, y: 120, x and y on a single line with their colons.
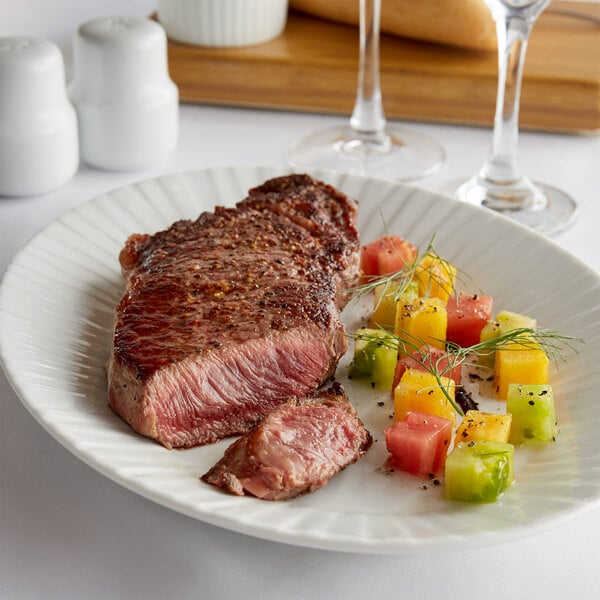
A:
x: 127, y: 105
x: 38, y: 126
x: 224, y: 23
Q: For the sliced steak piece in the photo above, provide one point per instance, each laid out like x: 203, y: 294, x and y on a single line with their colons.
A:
x: 223, y: 318
x: 295, y: 449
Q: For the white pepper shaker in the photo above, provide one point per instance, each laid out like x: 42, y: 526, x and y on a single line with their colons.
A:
x: 127, y: 105
x: 38, y: 126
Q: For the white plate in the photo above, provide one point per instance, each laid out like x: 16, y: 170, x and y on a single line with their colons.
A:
x: 56, y: 305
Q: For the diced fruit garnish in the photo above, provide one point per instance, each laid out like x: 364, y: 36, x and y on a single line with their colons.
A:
x: 506, y: 321
x: 478, y: 425
x: 479, y: 471
x: 421, y: 331
x: 421, y: 392
x: 425, y: 359
x: 375, y: 356
x: 386, y: 255
x: 520, y: 363
x: 387, y: 298
x: 467, y: 316
x: 424, y: 319
x: 533, y: 411
x: 436, y: 277
x: 419, y: 444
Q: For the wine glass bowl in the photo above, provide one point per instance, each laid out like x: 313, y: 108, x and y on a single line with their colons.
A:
x: 500, y: 184
x: 396, y: 153
x: 368, y: 144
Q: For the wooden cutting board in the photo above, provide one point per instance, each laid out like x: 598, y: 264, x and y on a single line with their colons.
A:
x: 313, y: 65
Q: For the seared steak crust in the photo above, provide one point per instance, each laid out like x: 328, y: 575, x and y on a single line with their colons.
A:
x: 222, y: 319
x: 295, y: 449
x: 328, y: 214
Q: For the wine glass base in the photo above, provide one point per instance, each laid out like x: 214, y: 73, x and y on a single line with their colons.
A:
x: 399, y: 155
x: 539, y: 206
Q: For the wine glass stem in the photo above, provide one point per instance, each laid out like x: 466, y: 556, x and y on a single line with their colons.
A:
x: 513, y: 35
x: 367, y: 120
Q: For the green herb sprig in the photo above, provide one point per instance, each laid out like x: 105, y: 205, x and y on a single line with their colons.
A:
x: 553, y: 344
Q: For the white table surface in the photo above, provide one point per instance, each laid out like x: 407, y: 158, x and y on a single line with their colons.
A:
x: 68, y: 532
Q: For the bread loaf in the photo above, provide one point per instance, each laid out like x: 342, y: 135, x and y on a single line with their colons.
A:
x: 465, y: 23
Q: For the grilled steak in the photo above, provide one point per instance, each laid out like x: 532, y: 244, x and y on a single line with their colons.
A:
x: 295, y: 449
x: 225, y: 317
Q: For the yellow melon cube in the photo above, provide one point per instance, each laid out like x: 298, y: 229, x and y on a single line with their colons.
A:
x: 478, y: 425
x: 520, y: 363
x: 423, y: 320
x: 387, y: 297
x: 421, y: 391
x: 436, y: 277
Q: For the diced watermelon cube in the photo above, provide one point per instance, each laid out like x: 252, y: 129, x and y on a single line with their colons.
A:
x: 419, y: 443
x: 467, y: 316
x: 387, y: 254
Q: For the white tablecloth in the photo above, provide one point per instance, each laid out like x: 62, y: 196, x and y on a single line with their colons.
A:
x: 68, y: 532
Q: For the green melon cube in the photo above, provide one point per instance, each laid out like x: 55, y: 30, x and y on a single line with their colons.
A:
x: 533, y: 413
x: 479, y: 471
x: 504, y: 322
x: 375, y: 357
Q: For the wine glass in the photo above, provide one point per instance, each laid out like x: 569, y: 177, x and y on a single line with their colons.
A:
x: 500, y: 184
x: 368, y: 144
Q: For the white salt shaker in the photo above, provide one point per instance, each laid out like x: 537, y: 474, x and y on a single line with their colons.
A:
x: 127, y: 105
x: 38, y: 126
